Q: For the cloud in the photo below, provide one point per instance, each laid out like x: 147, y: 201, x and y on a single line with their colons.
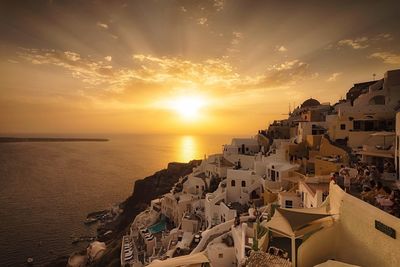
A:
x: 383, y: 36
x: 387, y: 57
x: 219, y: 4
x: 281, y: 48
x: 202, y: 21
x: 72, y: 56
x: 359, y: 43
x: 334, y: 77
x: 150, y: 76
x: 363, y: 42
x: 85, y: 69
x: 102, y: 25
x: 108, y: 58
x: 235, y: 42
x: 287, y: 74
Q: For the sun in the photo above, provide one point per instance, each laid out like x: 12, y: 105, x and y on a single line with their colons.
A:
x: 188, y: 107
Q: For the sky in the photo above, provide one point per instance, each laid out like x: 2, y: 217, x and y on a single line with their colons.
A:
x: 184, y: 67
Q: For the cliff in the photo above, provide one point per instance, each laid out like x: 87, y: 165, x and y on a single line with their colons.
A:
x: 144, y: 191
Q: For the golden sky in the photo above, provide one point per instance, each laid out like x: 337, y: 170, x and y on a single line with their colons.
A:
x: 187, y: 67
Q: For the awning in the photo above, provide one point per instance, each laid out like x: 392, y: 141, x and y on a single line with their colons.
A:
x: 383, y: 133
x: 378, y: 154
x: 186, y: 260
x: 291, y: 222
x: 332, y: 263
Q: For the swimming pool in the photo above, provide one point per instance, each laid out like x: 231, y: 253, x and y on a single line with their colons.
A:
x: 158, y: 227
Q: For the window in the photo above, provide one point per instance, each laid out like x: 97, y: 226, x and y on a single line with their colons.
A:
x: 369, y: 125
x: 342, y: 126
x: 273, y: 174
x: 233, y: 183
x: 220, y: 255
x: 288, y: 203
x: 357, y: 125
x: 243, y: 183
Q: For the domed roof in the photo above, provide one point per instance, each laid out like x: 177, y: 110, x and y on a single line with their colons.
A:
x: 311, y: 102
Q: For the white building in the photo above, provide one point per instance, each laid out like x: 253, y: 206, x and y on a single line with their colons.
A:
x: 247, y: 146
x: 397, y: 146
x: 371, y: 111
x: 313, y: 194
x: 275, y: 167
x: 243, y: 186
x: 310, y: 128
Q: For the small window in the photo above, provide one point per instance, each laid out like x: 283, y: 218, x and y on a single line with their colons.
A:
x: 243, y: 183
x: 288, y: 203
x: 233, y: 183
x: 220, y: 255
x: 247, y: 149
x: 342, y: 126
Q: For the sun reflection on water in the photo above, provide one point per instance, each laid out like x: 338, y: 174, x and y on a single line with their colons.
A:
x: 188, y: 148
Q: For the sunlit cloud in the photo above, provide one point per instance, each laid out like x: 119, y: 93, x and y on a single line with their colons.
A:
x: 334, y: 76
x: 202, y: 21
x: 235, y: 42
x: 88, y: 70
x: 176, y: 72
x: 219, y: 4
x: 102, y: 25
x: 281, y: 48
x: 363, y: 42
x: 383, y: 36
x: 359, y: 43
x: 387, y: 57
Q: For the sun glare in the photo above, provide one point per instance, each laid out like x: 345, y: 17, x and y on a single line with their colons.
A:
x: 188, y: 107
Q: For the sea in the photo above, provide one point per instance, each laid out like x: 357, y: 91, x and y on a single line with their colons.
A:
x: 48, y: 188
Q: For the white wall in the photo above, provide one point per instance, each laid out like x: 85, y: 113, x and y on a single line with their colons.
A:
x: 214, y: 251
x: 354, y: 238
x: 238, y: 192
x: 397, y: 146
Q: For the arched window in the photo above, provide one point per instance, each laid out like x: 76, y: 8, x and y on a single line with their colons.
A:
x: 243, y: 183
x: 233, y: 183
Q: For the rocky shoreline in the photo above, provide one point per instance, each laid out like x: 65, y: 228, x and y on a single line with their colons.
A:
x: 144, y: 191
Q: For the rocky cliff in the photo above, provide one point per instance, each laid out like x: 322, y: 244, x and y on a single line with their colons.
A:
x: 144, y: 191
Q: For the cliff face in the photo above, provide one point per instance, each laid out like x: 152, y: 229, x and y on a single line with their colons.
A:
x: 150, y: 188
x: 144, y: 191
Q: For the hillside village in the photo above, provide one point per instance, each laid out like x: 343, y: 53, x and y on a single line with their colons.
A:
x: 320, y: 188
